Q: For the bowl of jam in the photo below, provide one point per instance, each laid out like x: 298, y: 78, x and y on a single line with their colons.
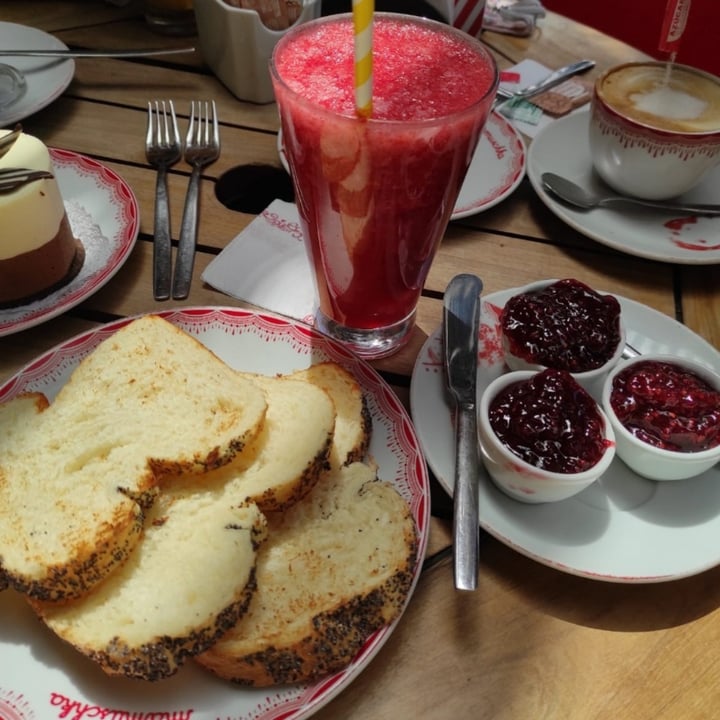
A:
x: 665, y: 412
x: 543, y: 438
x: 563, y: 324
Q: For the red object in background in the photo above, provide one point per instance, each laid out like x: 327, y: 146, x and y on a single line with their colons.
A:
x: 673, y: 27
x: 639, y: 23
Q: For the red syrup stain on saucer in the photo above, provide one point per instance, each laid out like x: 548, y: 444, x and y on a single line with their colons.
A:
x: 688, y: 233
x: 490, y: 347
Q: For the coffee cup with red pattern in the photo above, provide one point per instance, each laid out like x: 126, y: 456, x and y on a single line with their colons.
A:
x: 655, y: 128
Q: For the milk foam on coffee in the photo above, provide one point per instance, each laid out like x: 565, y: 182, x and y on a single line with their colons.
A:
x: 681, y: 100
x: 667, y: 102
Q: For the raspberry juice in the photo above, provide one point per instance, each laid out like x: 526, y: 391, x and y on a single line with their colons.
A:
x: 375, y: 194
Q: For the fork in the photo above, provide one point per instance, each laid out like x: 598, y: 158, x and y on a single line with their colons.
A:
x: 162, y: 148
x: 13, y: 178
x: 202, y: 147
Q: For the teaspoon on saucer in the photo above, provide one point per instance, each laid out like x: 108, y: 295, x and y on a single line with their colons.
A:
x: 587, y: 200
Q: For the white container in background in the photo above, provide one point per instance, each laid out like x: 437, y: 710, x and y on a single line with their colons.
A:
x: 237, y: 46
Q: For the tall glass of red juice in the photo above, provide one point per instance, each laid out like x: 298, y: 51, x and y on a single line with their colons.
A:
x: 375, y: 194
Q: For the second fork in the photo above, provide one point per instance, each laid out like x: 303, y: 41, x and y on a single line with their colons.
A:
x: 202, y: 147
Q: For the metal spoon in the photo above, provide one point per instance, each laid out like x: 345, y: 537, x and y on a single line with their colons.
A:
x: 553, y: 79
x: 587, y: 200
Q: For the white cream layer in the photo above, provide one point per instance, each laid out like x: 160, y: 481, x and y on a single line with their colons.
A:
x: 31, y: 215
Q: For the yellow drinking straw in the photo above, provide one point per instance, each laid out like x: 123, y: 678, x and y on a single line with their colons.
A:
x: 363, y: 21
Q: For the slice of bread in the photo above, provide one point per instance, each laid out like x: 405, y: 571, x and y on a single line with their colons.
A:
x: 289, y: 455
x: 336, y: 566
x: 132, y: 624
x: 317, y: 418
x: 353, y: 425
x: 185, y: 584
x: 76, y: 476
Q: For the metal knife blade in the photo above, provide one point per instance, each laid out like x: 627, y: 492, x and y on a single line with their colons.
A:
x: 96, y: 53
x: 461, y: 319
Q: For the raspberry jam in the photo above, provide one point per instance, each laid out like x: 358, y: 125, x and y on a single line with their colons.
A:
x: 667, y: 406
x: 566, y: 325
x: 550, y: 422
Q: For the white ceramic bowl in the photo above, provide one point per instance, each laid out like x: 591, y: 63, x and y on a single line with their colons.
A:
x: 648, y: 460
x: 518, y: 478
x: 591, y: 380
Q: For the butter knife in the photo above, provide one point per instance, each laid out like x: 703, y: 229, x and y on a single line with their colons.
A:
x: 61, y: 53
x: 551, y: 81
x: 461, y: 319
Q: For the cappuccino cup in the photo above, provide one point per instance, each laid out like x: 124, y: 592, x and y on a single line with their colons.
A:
x: 655, y: 128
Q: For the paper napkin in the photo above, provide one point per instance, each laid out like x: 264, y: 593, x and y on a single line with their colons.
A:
x: 267, y: 265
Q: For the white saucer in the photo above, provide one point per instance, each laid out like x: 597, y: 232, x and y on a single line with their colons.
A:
x: 562, y: 148
x: 104, y: 216
x: 497, y: 167
x: 46, y: 78
x: 52, y: 680
x: 624, y: 528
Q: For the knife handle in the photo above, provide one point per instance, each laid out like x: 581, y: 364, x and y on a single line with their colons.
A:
x: 466, y: 554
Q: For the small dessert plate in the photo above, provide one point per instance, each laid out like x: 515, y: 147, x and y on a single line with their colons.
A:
x: 497, y: 168
x: 45, y: 78
x: 104, y: 215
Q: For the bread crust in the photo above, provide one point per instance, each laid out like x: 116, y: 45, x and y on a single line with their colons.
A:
x: 354, y: 421
x: 291, y: 636
x: 158, y: 660
x: 77, y: 475
x: 149, y: 616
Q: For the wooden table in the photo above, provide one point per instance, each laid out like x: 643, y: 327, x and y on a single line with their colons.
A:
x: 532, y: 642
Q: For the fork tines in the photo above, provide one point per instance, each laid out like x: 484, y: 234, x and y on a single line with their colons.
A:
x: 162, y: 129
x: 203, y: 117
x: 13, y: 178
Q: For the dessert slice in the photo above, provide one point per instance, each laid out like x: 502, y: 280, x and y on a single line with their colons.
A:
x: 38, y: 252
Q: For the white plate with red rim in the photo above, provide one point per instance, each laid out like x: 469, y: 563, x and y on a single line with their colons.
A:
x: 104, y: 215
x: 562, y: 148
x: 42, y: 677
x: 45, y: 78
x: 622, y: 529
x: 495, y: 171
